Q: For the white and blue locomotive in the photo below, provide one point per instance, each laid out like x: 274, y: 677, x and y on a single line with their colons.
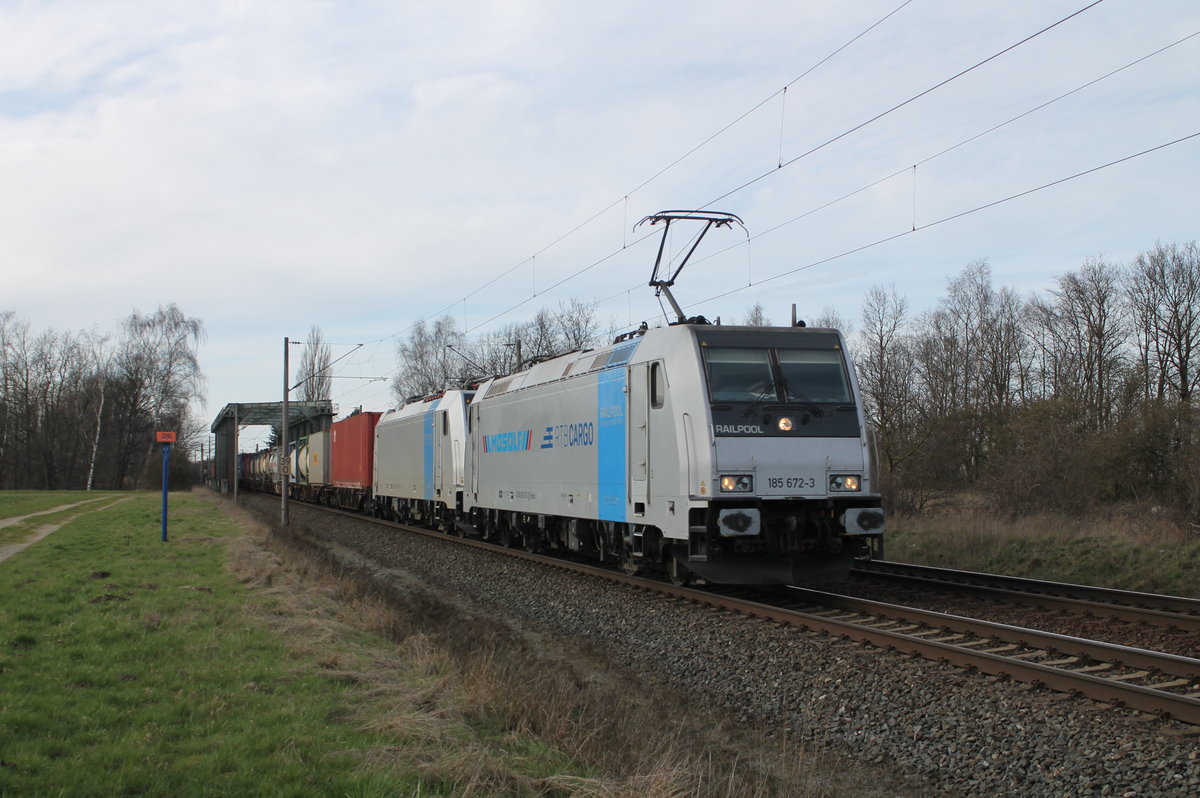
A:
x: 735, y: 454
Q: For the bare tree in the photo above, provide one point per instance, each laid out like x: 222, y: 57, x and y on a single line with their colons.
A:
x: 885, y: 370
x: 496, y: 352
x: 1082, y: 335
x: 101, y: 356
x: 756, y: 317
x: 157, y: 373
x: 577, y: 325
x: 972, y: 359
x: 570, y: 327
x: 8, y: 325
x: 829, y: 317
x: 427, y: 362
x: 313, y: 374
x: 1164, y: 293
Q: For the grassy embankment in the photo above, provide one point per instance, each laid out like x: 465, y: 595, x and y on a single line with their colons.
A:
x: 225, y: 662
x: 1129, y: 549
x: 130, y: 666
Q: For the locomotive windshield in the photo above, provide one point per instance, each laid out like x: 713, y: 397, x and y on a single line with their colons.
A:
x: 813, y: 375
x: 776, y: 375
x: 740, y: 375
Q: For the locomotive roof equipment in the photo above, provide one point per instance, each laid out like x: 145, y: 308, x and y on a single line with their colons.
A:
x: 711, y: 219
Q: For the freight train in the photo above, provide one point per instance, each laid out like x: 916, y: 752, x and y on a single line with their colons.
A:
x: 731, y: 454
x: 735, y: 454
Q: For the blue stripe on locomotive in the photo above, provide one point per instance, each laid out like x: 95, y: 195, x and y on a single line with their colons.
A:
x: 427, y: 424
x: 610, y: 444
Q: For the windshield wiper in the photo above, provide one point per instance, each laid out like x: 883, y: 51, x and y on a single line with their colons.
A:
x: 801, y: 398
x: 767, y: 394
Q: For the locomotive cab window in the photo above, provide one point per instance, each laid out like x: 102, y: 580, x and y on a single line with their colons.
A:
x: 740, y: 375
x: 658, y: 386
x: 814, y: 375
x: 777, y: 375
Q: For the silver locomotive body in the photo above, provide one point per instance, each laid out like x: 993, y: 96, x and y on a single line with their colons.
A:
x: 418, y: 460
x: 738, y: 454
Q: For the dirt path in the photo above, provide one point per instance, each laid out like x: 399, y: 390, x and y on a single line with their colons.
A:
x: 9, y: 549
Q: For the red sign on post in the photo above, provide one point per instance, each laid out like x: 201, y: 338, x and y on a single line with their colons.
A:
x: 164, y: 437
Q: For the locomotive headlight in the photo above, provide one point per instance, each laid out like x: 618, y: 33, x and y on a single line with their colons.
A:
x: 785, y: 424
x: 737, y: 483
x: 844, y: 482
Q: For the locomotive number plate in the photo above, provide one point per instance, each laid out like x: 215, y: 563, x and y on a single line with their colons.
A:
x: 790, y: 485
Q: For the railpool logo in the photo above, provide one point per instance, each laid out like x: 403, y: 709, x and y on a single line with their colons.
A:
x: 739, y: 429
x: 519, y: 441
x: 563, y: 436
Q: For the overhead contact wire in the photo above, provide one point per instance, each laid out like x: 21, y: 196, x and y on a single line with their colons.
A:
x: 952, y: 217
x: 658, y: 174
x: 897, y: 107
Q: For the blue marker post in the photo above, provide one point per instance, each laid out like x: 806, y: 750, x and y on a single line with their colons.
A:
x: 166, y: 439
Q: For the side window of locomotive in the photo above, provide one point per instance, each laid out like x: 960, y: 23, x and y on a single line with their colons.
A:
x: 814, y: 375
x: 658, y: 386
x: 739, y: 375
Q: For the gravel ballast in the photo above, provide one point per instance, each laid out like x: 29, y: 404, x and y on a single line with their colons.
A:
x: 937, y: 728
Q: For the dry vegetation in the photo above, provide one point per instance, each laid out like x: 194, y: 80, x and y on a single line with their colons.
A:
x: 1131, y: 546
x: 444, y: 670
x: 1075, y: 399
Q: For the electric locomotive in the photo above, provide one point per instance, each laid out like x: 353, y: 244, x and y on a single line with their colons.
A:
x: 737, y: 454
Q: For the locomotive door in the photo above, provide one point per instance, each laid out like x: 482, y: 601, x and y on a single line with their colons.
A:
x: 440, y: 433
x: 639, y: 438
x: 472, y: 425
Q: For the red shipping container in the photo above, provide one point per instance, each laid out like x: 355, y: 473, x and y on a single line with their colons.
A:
x: 353, y: 457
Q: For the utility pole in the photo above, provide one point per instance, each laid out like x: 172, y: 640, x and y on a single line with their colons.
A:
x: 284, y: 470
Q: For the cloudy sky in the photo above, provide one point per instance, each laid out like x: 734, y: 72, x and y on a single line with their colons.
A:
x: 276, y: 164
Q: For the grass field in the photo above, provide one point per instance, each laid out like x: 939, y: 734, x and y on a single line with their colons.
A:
x: 1130, y: 548
x: 18, y: 521
x: 132, y: 666
x: 230, y: 662
x: 23, y: 502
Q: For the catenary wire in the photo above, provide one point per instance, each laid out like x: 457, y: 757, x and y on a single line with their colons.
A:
x: 797, y: 158
x: 656, y: 175
x: 842, y: 135
x: 952, y: 217
x: 904, y: 170
x: 943, y: 220
x: 898, y: 106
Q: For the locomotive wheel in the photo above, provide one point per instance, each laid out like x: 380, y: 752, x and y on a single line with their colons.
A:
x: 628, y: 564
x: 679, y: 574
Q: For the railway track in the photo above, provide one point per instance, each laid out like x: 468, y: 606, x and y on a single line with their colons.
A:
x: 1172, y: 612
x: 1165, y: 685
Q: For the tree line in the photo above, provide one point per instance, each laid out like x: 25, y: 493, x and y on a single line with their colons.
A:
x: 1060, y: 402
x: 78, y: 410
x: 437, y: 355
